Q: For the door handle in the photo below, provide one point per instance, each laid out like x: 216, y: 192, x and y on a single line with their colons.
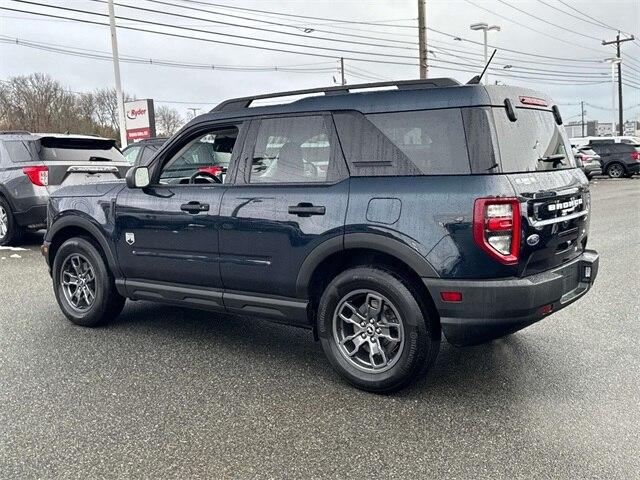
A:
x: 306, y: 209
x: 194, y: 207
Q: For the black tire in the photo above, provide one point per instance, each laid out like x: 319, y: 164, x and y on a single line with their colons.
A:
x: 10, y: 232
x: 417, y: 352
x: 589, y: 176
x: 107, y: 302
x: 615, y: 170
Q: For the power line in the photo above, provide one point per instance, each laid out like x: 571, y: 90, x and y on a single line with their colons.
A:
x: 581, y: 12
x: 551, y: 23
x: 219, y: 22
x: 523, y: 25
x: 535, y: 75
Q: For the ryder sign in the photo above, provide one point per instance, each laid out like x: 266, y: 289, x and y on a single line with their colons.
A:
x: 140, y: 119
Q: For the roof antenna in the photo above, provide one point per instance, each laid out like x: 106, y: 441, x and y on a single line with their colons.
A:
x: 476, y: 80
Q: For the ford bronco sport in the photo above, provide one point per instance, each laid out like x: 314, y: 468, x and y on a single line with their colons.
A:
x: 378, y: 218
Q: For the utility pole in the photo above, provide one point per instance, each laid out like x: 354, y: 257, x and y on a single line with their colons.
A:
x: 342, y: 79
x: 116, y: 72
x: 582, y: 115
x: 194, y: 111
x: 618, y: 41
x: 422, y: 39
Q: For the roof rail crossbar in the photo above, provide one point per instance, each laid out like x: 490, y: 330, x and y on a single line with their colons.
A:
x: 245, y: 102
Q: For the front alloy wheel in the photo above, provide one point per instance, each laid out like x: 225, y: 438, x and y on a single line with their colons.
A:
x: 368, y: 331
x: 78, y: 281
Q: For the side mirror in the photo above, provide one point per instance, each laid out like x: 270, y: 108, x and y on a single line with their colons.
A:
x: 138, y: 177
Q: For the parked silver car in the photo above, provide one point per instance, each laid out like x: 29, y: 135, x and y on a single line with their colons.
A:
x: 33, y: 165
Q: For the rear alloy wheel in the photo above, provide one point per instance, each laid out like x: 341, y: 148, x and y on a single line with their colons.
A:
x: 374, y: 329
x: 615, y: 170
x: 10, y: 231
x: 83, y: 285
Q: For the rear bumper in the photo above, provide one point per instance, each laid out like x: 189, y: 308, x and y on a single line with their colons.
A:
x: 492, y: 308
x: 591, y: 169
x: 633, y: 168
x: 34, y: 217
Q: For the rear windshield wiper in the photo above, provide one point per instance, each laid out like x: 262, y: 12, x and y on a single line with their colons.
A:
x: 555, y: 159
x: 99, y: 159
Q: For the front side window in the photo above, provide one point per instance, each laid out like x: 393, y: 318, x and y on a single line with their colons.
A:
x: 291, y: 150
x: 202, y: 159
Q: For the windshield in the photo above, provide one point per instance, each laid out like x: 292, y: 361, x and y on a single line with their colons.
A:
x: 534, y: 142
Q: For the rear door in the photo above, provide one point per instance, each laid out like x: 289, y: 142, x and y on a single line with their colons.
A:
x: 81, y: 160
x: 289, y: 197
x: 536, y: 155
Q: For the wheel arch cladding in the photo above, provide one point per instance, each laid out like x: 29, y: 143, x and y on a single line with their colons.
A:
x: 70, y: 227
x: 318, y: 273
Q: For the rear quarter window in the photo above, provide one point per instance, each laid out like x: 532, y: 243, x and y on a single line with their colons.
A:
x: 428, y: 142
x: 21, y: 151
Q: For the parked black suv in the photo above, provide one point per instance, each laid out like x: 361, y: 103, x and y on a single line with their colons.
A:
x: 34, y: 165
x: 617, y: 159
x: 139, y: 153
x: 377, y: 218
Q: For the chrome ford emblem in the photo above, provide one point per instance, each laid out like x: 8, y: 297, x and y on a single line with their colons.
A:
x: 533, y: 239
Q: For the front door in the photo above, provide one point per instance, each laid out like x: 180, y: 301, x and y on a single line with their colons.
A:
x: 168, y: 232
x: 290, y: 197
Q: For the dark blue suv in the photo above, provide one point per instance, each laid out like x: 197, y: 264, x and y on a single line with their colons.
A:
x: 379, y: 218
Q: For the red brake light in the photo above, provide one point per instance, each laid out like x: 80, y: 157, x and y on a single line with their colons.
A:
x: 496, y: 228
x: 539, y: 102
x: 635, y: 156
x: 38, y: 175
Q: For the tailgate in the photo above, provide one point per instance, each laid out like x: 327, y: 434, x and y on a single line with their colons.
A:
x: 81, y: 160
x: 555, y: 217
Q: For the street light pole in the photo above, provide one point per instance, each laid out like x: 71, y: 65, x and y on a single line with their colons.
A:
x: 116, y: 72
x: 485, y: 27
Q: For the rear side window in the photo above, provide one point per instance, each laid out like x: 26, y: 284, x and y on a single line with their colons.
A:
x: 21, y: 151
x: 429, y: 142
x: 294, y: 150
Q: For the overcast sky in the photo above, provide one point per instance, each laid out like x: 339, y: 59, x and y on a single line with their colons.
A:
x: 183, y: 88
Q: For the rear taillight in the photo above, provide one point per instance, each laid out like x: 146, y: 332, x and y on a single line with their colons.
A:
x: 38, y: 175
x: 635, y: 156
x: 584, y: 158
x: 496, y: 228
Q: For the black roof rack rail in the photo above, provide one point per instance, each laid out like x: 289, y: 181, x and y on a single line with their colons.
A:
x: 14, y: 132
x: 245, y: 102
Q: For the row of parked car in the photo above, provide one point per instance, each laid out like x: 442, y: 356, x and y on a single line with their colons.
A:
x: 613, y: 156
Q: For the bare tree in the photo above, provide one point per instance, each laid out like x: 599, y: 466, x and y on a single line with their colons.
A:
x: 168, y: 121
x: 38, y: 103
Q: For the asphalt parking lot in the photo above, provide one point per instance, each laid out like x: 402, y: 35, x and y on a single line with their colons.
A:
x: 167, y: 392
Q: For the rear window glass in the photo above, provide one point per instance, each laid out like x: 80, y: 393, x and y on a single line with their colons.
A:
x: 433, y: 140
x: 78, y: 149
x: 534, y: 142
x: 77, y: 155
